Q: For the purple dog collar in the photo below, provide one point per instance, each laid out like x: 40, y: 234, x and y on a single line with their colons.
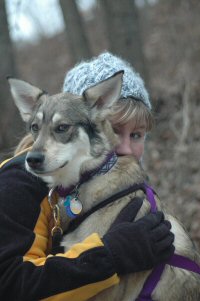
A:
x: 106, y: 165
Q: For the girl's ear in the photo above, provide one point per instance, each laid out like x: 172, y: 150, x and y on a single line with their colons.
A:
x: 25, y: 96
x: 104, y: 94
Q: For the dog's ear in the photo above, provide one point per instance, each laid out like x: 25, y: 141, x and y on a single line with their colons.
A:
x: 25, y: 96
x: 104, y: 94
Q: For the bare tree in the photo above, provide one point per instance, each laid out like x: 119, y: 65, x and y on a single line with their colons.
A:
x: 8, y: 116
x: 76, y: 37
x: 123, y: 30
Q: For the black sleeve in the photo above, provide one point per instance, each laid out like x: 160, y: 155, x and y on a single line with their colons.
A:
x: 39, y: 275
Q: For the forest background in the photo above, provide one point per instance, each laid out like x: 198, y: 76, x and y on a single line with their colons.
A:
x: 41, y: 40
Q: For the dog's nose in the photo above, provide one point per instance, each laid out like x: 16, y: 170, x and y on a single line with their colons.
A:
x: 35, y: 159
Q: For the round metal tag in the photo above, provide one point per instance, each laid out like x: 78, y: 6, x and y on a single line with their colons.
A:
x: 76, y: 206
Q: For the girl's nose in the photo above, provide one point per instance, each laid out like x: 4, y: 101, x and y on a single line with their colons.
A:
x: 124, y: 147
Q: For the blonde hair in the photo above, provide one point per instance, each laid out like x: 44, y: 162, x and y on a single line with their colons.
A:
x: 26, y: 142
x: 131, y: 109
x: 124, y: 111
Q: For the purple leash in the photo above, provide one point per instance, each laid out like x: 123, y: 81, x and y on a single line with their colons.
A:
x: 176, y: 260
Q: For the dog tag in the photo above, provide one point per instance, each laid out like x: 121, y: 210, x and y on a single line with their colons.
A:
x: 76, y: 206
x: 73, y: 206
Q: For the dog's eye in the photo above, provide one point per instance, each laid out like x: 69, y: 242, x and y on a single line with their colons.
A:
x: 34, y: 127
x: 61, y: 128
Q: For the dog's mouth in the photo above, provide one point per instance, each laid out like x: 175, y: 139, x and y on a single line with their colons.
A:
x: 41, y: 171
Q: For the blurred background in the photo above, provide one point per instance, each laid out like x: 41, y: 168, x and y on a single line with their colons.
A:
x: 41, y: 40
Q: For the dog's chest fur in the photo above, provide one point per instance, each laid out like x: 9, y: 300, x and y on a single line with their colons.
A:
x: 125, y: 173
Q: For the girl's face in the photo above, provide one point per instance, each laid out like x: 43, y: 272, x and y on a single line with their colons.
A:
x: 131, y: 139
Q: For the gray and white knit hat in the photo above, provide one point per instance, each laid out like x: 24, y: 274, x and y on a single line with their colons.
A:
x: 88, y: 73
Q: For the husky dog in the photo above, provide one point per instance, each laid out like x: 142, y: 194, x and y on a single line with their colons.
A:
x: 73, y: 135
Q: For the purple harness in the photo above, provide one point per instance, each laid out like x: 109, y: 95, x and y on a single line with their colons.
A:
x: 176, y: 260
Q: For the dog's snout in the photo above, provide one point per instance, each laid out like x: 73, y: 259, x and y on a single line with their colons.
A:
x: 35, y: 159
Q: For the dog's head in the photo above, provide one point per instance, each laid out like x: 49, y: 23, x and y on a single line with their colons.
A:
x: 71, y: 133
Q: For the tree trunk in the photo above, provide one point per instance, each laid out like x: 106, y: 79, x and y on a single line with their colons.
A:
x: 76, y: 37
x: 9, y: 117
x: 124, y: 34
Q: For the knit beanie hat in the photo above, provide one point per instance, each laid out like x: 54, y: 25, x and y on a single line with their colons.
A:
x: 89, y: 73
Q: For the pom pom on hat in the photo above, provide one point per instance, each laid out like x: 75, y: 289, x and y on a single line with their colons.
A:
x: 89, y: 73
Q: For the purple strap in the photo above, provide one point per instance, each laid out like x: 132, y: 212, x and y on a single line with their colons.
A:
x: 151, y: 198
x: 176, y: 261
x: 182, y: 262
x: 150, y: 283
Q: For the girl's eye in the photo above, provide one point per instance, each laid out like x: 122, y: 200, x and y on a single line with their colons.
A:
x: 62, y: 128
x: 34, y: 127
x: 135, y: 135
